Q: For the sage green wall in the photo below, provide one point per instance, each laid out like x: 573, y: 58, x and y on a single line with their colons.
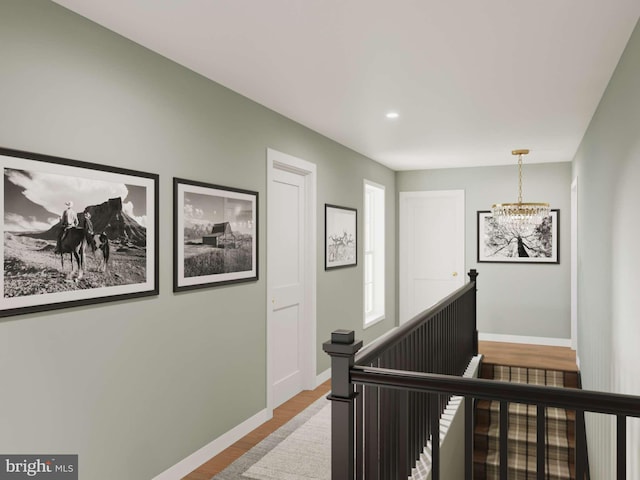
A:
x: 607, y: 165
x: 134, y: 387
x: 513, y: 299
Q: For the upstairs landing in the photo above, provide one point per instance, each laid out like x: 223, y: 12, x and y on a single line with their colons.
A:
x: 530, y: 356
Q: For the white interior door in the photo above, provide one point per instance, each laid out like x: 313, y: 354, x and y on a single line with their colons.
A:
x: 291, y: 289
x: 431, y: 248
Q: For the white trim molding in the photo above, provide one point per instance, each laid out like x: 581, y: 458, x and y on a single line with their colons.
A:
x: 193, y: 461
x: 574, y: 264
x: 548, y: 341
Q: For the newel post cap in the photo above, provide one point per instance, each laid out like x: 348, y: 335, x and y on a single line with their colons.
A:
x: 342, y: 342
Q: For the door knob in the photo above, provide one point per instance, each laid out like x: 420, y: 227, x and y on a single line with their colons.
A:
x: 455, y: 274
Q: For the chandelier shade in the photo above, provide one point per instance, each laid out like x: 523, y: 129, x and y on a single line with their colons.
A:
x: 520, y: 214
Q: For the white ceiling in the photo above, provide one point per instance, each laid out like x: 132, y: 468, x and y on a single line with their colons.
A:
x: 471, y: 79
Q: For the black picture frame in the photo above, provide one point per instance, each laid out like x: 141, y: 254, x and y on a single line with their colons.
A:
x: 120, y: 259
x: 215, y: 235
x: 499, y: 244
x: 340, y: 237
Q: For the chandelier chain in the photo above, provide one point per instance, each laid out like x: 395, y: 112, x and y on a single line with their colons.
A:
x: 520, y: 178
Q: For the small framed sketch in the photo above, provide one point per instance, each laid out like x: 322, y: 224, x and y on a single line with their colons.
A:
x: 215, y: 235
x: 341, y: 237
x: 512, y: 244
x: 75, y: 233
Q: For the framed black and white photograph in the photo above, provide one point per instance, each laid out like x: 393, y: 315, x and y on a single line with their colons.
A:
x: 75, y: 233
x: 215, y: 235
x: 504, y: 243
x: 341, y: 237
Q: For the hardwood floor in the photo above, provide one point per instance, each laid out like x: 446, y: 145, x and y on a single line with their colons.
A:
x: 532, y: 356
x: 281, y: 415
x: 561, y: 358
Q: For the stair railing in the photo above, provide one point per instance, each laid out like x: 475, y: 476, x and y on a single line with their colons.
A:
x: 384, y: 408
x: 379, y: 433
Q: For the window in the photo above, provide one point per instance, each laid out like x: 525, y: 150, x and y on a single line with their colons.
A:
x: 374, y: 252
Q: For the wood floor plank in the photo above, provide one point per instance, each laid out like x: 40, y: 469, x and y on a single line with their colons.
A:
x: 531, y: 356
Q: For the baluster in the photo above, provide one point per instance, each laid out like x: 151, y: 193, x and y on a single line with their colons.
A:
x: 385, y: 434
x: 435, y: 436
x: 421, y: 421
x: 455, y: 353
x: 469, y: 425
x: 403, y: 441
x: 394, y: 433
x: 372, y: 434
x: 412, y: 342
x: 359, y: 433
x: 540, y: 441
x: 581, y: 450
x: 436, y: 345
x: 473, y: 275
x: 504, y: 439
x: 423, y: 368
x: 621, y: 448
x: 447, y: 352
x: 424, y: 348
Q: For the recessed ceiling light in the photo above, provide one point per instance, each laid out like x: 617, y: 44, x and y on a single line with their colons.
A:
x: 393, y: 115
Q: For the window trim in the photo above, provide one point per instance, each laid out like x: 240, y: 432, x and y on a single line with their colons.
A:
x: 378, y: 313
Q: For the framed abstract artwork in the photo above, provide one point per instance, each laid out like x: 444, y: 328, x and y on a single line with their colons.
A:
x: 75, y: 233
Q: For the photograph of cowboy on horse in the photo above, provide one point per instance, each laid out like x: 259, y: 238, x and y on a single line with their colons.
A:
x: 69, y: 219
x: 97, y: 241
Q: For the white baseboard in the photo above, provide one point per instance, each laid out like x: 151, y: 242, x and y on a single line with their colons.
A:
x: 323, y: 377
x: 193, y: 461
x: 549, y: 341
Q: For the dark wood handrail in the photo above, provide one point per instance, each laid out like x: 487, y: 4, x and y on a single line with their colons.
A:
x: 367, y: 421
x: 568, y: 398
x: 372, y: 351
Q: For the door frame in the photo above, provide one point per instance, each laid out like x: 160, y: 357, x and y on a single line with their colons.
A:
x: 574, y: 266
x: 289, y: 163
x: 459, y: 196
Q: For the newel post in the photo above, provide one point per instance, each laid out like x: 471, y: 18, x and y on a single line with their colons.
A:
x: 342, y: 349
x: 473, y: 274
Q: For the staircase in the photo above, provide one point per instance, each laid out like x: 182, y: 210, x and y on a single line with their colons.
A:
x: 560, y: 429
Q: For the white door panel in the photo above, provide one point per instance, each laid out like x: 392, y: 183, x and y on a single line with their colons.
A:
x: 431, y: 248
x: 287, y: 196
x: 288, y: 314
x: 290, y: 278
x: 286, y: 362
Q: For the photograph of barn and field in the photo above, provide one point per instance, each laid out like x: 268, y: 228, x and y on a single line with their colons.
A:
x: 113, y: 252
x: 219, y: 232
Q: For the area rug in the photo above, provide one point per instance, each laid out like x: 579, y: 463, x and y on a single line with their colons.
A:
x: 299, y: 450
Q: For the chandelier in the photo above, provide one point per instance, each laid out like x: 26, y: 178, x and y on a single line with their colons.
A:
x: 520, y: 214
